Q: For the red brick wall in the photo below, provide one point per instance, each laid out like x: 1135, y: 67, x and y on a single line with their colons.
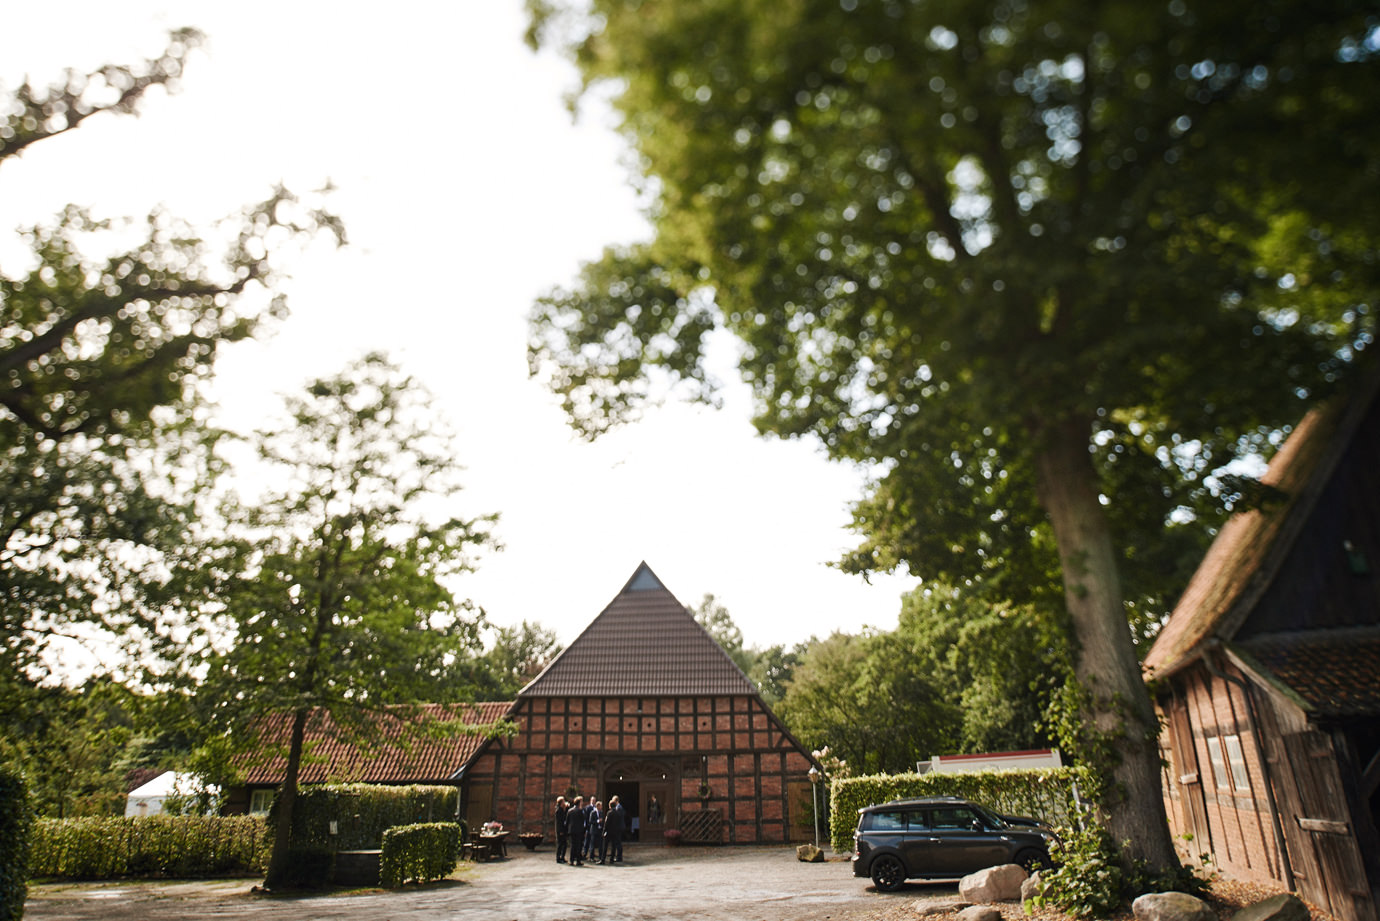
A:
x: 733, y: 744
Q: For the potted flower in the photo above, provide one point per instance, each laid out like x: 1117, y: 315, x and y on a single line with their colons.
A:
x: 530, y: 839
x: 672, y: 836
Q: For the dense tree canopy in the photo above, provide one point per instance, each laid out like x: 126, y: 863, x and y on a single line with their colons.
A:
x: 873, y: 705
x: 1049, y: 266
x: 515, y: 655
x: 957, y: 675
x: 79, y: 743
x: 96, y: 335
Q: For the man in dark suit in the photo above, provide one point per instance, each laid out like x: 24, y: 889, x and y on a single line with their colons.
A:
x: 614, y: 824
x: 575, y: 828
x: 562, y: 834
x: 596, y: 831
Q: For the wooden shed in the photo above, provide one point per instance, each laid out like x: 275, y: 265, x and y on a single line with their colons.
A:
x: 1268, y: 675
x: 645, y: 705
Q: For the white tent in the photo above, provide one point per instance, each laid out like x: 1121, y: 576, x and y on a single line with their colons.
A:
x: 149, y: 799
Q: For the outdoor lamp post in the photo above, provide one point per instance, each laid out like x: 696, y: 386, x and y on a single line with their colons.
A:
x: 814, y: 787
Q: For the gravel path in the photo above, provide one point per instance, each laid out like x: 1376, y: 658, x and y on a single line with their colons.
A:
x: 656, y: 882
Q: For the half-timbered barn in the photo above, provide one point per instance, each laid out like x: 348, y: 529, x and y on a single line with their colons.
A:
x: 645, y: 705
x: 1268, y: 675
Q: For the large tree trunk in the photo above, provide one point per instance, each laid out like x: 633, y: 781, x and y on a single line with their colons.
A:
x: 1120, y: 710
x: 287, y: 797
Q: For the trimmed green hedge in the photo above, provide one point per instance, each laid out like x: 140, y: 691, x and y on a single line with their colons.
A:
x: 363, y: 812
x: 108, y: 847
x: 419, y: 852
x: 16, y: 822
x: 1045, y: 793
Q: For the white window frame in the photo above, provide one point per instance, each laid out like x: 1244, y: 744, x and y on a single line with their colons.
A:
x: 260, y: 801
x: 1236, y: 760
x: 1218, y: 763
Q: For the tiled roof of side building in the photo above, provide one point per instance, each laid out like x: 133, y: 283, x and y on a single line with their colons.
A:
x: 1333, y: 671
x: 645, y: 643
x: 333, y: 758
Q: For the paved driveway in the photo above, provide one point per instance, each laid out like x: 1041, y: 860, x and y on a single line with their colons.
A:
x: 656, y: 882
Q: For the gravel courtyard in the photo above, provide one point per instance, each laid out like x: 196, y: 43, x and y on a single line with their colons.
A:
x: 656, y: 882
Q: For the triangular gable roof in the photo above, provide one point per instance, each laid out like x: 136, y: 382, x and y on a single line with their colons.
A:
x: 645, y: 643
x: 333, y: 758
x: 1243, y: 559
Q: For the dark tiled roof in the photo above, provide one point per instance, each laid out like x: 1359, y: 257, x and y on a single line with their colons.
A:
x: 1248, y: 550
x: 334, y: 758
x: 1333, y: 671
x: 645, y: 643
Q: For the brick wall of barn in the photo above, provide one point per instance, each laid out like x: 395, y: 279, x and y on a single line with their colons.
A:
x: 756, y: 775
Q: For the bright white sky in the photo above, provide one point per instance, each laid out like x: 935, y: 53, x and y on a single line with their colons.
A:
x: 468, y: 190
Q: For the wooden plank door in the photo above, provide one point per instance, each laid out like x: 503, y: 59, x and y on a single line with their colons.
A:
x: 1320, y: 831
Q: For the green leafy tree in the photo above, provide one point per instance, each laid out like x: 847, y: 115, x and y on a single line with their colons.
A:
x: 872, y: 704
x: 332, y: 589
x: 517, y: 655
x: 1042, y: 263
x: 773, y: 669
x: 1001, y: 662
x: 75, y: 742
x: 101, y: 359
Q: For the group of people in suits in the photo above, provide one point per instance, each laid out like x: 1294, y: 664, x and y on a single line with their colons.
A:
x: 587, y: 829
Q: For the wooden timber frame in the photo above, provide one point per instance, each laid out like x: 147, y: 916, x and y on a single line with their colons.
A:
x: 723, y: 756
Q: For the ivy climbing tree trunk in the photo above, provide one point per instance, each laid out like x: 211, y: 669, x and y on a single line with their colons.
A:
x: 1120, y: 717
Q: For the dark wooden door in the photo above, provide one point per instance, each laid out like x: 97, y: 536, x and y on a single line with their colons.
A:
x: 1319, y: 829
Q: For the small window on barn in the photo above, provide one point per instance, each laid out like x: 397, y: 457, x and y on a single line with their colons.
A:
x: 1237, y: 759
x: 1219, y: 765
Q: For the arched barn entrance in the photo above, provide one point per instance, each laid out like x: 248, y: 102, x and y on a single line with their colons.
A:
x: 646, y: 788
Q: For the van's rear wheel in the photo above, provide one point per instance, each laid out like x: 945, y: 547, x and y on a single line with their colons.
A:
x: 888, y: 873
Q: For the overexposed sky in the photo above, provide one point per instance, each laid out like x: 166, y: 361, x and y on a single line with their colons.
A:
x: 468, y: 190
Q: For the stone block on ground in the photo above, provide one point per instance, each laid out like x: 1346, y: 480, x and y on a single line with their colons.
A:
x: 1282, y: 907
x: 1031, y: 887
x: 979, y: 913
x: 930, y: 907
x: 1171, y: 906
x: 995, y: 884
x: 809, y: 854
